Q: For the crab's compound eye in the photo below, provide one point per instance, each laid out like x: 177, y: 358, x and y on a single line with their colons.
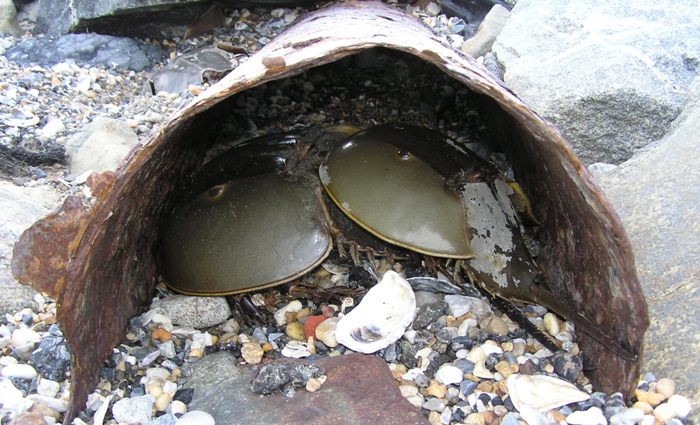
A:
x: 215, y: 193
x: 404, y: 154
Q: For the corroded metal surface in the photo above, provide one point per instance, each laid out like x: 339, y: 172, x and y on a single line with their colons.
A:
x: 107, y: 255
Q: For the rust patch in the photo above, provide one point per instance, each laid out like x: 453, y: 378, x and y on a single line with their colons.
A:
x: 42, y: 253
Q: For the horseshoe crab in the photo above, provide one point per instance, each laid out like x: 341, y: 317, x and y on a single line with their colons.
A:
x: 105, y: 250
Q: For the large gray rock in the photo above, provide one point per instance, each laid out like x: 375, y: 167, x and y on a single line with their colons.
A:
x: 610, y: 75
x: 86, y: 49
x: 197, y: 312
x: 20, y: 207
x: 8, y: 18
x: 113, y: 16
x: 657, y: 195
x: 100, y: 146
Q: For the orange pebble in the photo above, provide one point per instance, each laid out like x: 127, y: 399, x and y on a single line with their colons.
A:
x: 310, y: 325
x: 267, y: 347
x: 161, y: 334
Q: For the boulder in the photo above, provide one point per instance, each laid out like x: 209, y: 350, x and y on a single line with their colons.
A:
x: 86, y: 49
x: 611, y: 75
x: 657, y: 195
x: 8, y: 18
x: 100, y: 146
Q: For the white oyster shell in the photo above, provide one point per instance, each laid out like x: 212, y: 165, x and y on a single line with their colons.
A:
x: 542, y: 392
x: 382, y: 316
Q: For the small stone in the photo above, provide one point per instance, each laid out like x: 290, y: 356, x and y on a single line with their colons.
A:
x: 627, y: 416
x: 433, y: 9
x: 434, y: 404
x: 474, y: 419
x: 664, y: 412
x: 680, y: 405
x: 281, y: 314
x: 196, y: 417
x: 51, y: 358
x: 416, y: 400
x: 295, y: 330
x: 666, y: 386
x: 467, y: 387
x: 252, y: 352
x: 567, y: 366
x: 504, y: 368
x: 408, y: 390
x: 648, y: 420
x: 480, y: 371
x: 131, y: 410
x: 162, y: 402
x: 19, y: 371
x: 325, y: 332
x: 310, y: 325
x: 48, y: 388
x: 29, y: 418
x: 436, y: 389
x: 552, y: 324
x: 592, y: 416
x: 434, y: 418
x: 448, y: 374
x: 160, y: 334
x: 22, y: 337
x: 644, y: 407
x: 197, y: 312
x: 314, y: 384
x: 459, y: 305
x: 157, y: 374
x: 296, y: 350
x: 51, y: 129
x: 494, y: 325
x: 178, y: 408
x: 653, y: 399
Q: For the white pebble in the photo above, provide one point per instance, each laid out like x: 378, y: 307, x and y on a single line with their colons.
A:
x: 170, y: 388
x: 490, y: 349
x: 281, y: 314
x: 57, y: 404
x: 21, y: 371
x: 592, y: 416
x: 664, y: 412
x: 137, y: 409
x: 680, y: 405
x: 628, y: 416
x: 48, y: 388
x: 157, y: 373
x: 22, y: 337
x: 196, y: 417
x: 552, y: 324
x: 11, y: 398
x: 178, y: 408
x: 448, y: 374
x: 648, y: 420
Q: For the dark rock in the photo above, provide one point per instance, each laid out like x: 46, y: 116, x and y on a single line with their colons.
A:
x: 485, y: 398
x: 508, y: 404
x: 51, y: 359
x: 467, y: 387
x: 464, y: 365
x: 462, y: 342
x: 271, y: 378
x: 567, y: 366
x: 184, y: 395
x: 359, y: 390
x: 407, y: 354
x: 86, y: 49
x: 428, y: 314
x: 528, y: 368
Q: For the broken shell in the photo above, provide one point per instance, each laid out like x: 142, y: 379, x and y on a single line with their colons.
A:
x: 381, y: 317
x: 249, y: 233
x: 542, y: 392
x: 374, y: 168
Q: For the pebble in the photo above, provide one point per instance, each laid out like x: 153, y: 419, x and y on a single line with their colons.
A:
x: 281, y: 314
x: 665, y: 412
x: 448, y: 374
x: 252, y: 352
x: 666, y: 387
x: 627, y: 416
x: 653, y: 399
x: 19, y: 371
x: 295, y: 330
x: 197, y: 312
x: 436, y: 389
x: 325, y: 332
x: 296, y: 350
x: 494, y: 325
x: 133, y: 410
x: 434, y: 404
x: 196, y: 417
x: 48, y: 388
x: 22, y: 337
x: 552, y: 324
x: 178, y: 408
x: 680, y: 405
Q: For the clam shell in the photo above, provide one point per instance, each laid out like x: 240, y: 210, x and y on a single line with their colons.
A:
x: 381, y: 317
x: 542, y: 392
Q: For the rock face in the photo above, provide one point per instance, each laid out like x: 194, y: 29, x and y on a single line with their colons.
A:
x: 657, y: 195
x: 85, y: 49
x: 62, y: 16
x: 101, y: 146
x: 8, y: 17
x: 610, y: 75
x: 21, y: 206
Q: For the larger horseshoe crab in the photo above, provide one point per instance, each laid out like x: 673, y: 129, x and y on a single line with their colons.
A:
x: 86, y: 254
